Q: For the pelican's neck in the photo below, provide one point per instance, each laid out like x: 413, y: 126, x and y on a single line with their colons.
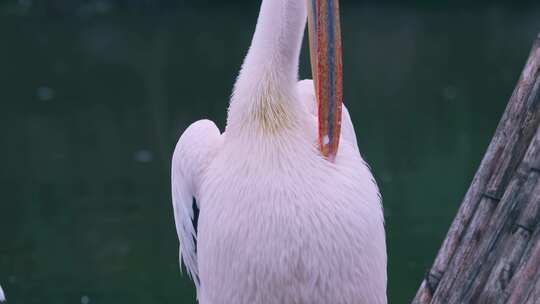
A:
x: 264, y: 93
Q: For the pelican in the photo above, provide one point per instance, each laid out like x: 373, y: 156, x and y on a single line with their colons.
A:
x: 281, y: 208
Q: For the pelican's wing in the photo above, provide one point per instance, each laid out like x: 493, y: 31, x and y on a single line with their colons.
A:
x: 192, y: 155
x: 306, y: 90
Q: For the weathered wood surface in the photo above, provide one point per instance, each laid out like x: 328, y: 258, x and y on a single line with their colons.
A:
x: 491, y: 253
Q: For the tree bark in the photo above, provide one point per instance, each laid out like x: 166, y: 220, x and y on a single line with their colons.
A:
x: 491, y: 253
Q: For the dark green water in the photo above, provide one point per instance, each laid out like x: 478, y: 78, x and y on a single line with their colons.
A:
x: 92, y: 109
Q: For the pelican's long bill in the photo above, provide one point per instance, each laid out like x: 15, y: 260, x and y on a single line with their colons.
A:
x: 326, y: 67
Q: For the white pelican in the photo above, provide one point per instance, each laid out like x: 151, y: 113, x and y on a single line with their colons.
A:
x: 279, y: 221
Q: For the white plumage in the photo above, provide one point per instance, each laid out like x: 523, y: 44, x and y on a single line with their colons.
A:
x: 2, y: 295
x: 278, y: 222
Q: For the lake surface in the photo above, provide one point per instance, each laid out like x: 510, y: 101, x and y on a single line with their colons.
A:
x: 92, y: 108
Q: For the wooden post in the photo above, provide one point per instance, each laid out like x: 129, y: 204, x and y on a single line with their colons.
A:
x: 491, y: 253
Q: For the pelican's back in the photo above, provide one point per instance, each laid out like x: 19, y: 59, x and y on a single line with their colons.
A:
x: 280, y: 224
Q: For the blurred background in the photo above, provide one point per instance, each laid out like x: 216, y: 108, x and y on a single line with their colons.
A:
x: 95, y: 93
